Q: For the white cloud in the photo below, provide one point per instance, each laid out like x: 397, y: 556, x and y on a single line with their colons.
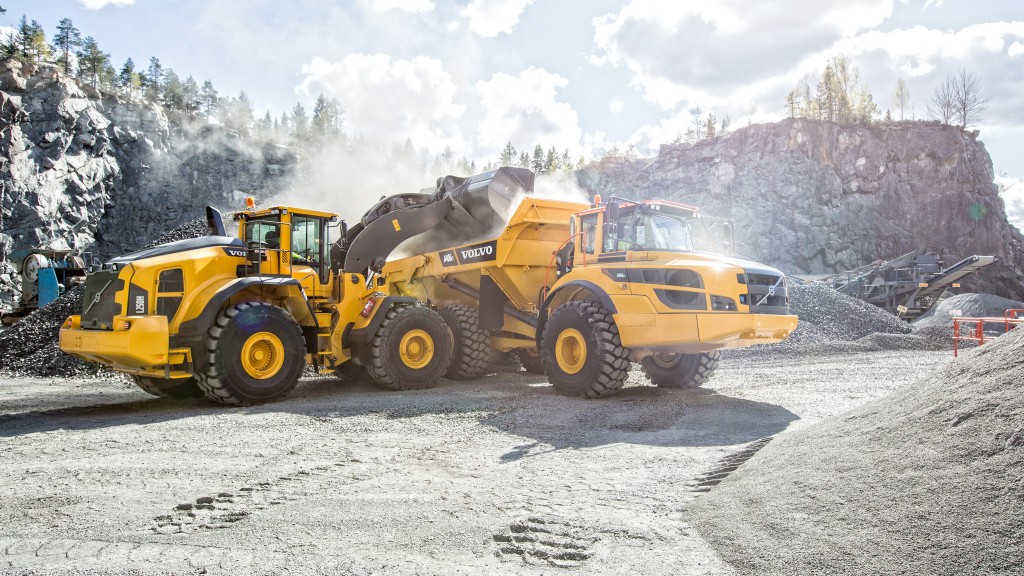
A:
x: 100, y: 4
x: 414, y: 6
x: 525, y: 109
x: 489, y: 18
x: 387, y: 100
x: 695, y: 52
x: 616, y: 105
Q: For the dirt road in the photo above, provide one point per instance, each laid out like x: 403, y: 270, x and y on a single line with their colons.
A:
x: 500, y: 475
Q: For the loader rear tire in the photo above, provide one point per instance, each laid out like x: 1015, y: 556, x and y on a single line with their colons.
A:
x: 411, y: 349
x: 680, y: 370
x: 169, y: 388
x: 582, y: 353
x: 470, y: 344
x: 531, y: 360
x: 256, y: 355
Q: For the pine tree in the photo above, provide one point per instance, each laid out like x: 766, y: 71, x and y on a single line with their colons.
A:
x: 565, y: 162
x: 94, y: 64
x: 551, y: 161
x: 192, y: 100
x: 154, y: 81
x: 508, y: 155
x: 524, y: 160
x: 128, y: 79
x: 300, y: 123
x: 326, y: 123
x: 537, y: 164
x: 209, y: 101
x: 31, y: 42
x: 173, y: 91
x: 65, y: 41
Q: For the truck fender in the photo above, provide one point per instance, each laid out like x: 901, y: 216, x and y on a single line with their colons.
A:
x: 358, y: 338
x: 192, y: 333
x: 593, y: 290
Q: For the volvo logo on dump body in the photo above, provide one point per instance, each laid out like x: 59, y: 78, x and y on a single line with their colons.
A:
x: 482, y: 252
x: 237, y: 253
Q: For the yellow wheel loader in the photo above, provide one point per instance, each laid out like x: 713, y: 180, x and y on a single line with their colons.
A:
x: 580, y: 292
x: 236, y: 319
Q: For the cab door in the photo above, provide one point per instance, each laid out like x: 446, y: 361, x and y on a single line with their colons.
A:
x: 309, y: 258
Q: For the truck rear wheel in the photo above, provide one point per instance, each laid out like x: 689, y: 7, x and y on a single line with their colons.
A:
x: 531, y: 361
x: 257, y: 353
x: 582, y: 353
x: 411, y: 349
x: 470, y: 344
x: 169, y: 387
x: 680, y: 370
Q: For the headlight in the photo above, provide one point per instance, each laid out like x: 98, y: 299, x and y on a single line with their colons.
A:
x: 722, y: 304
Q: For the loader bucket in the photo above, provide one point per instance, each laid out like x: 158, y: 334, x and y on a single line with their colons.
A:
x: 481, y: 203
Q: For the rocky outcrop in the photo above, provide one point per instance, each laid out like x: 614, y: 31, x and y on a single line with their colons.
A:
x: 817, y: 197
x: 94, y: 172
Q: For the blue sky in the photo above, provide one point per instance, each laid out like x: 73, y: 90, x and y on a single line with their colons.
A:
x: 576, y: 74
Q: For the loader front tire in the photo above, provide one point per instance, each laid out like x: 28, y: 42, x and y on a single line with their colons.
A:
x: 411, y: 350
x: 256, y: 355
x: 582, y: 353
x: 470, y: 344
x: 680, y: 370
x: 181, y: 388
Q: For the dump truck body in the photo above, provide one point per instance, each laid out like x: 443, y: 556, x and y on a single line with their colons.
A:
x: 665, y: 300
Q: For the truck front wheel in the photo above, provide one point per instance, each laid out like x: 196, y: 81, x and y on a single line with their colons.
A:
x: 669, y: 370
x: 411, y: 349
x: 256, y: 354
x: 582, y: 353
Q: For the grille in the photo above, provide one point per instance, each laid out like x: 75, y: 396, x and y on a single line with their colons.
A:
x: 764, y: 296
x: 98, y: 305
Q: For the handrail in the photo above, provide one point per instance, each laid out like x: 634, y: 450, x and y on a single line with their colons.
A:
x: 1009, y: 320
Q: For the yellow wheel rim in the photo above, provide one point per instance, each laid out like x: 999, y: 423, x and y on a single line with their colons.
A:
x: 262, y: 355
x: 570, y: 351
x: 416, y: 349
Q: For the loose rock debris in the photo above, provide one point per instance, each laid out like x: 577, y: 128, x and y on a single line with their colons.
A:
x: 924, y: 481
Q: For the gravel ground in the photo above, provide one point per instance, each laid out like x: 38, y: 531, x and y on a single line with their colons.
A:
x: 500, y: 475
x: 927, y: 480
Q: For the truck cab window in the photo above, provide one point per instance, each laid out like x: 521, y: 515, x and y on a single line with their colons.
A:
x: 589, y: 229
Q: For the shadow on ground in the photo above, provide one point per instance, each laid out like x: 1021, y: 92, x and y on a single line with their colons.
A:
x: 518, y: 404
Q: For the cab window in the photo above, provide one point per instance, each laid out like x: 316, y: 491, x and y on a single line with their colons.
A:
x: 267, y: 233
x: 306, y: 240
x: 588, y: 225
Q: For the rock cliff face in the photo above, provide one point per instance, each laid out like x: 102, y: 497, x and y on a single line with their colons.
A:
x: 816, y: 197
x: 81, y: 170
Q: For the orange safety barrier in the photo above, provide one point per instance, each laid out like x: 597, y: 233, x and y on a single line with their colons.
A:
x: 1011, y: 318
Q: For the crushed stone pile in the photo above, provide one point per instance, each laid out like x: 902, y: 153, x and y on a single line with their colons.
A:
x: 10, y: 286
x: 924, y: 481
x: 832, y: 322
x: 937, y: 324
x: 188, y: 230
x: 31, y: 347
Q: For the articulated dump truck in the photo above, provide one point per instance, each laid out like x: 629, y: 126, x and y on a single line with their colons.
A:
x: 580, y: 292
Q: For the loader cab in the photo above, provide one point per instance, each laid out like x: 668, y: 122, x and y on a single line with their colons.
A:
x: 286, y: 241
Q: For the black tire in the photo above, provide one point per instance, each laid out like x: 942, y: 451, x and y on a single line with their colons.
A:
x: 581, y: 351
x: 256, y: 354
x: 531, y: 360
x: 680, y: 370
x: 411, y: 349
x: 169, y: 388
x: 470, y: 345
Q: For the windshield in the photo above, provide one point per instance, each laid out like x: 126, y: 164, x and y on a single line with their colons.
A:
x: 265, y: 231
x: 650, y: 230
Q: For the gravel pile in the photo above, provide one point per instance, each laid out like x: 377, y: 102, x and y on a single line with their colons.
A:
x: 924, y: 481
x: 832, y: 322
x: 191, y: 229
x: 30, y: 347
x: 937, y: 324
